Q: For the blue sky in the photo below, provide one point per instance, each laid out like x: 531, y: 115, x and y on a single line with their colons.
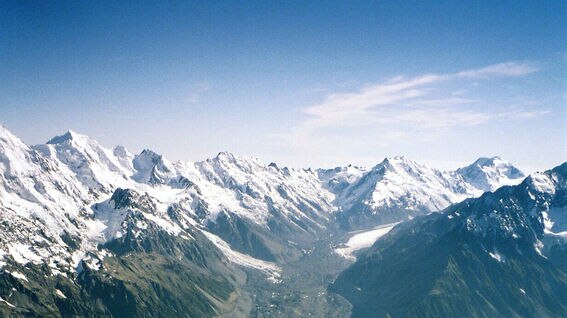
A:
x: 302, y: 83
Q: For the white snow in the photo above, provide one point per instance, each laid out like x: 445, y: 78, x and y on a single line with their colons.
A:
x: 60, y: 294
x: 538, y: 246
x: 363, y: 240
x: 22, y: 253
x: 489, y: 174
x: 497, y: 256
x: 6, y: 302
x: 541, y: 183
x: 169, y: 227
x: 271, y: 269
x: 555, y: 222
x: 52, y: 188
x: 19, y: 275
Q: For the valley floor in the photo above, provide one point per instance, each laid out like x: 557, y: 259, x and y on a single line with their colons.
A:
x: 302, y: 288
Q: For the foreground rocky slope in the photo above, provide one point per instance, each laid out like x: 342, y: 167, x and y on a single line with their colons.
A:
x: 501, y: 255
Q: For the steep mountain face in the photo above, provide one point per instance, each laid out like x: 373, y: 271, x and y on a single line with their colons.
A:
x: 269, y: 206
x: 489, y: 174
x: 339, y: 178
x: 103, y: 227
x: 74, y: 219
x: 398, y: 189
x: 72, y: 208
x: 501, y: 255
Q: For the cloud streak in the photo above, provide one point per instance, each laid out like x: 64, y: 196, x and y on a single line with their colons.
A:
x: 399, y: 107
x: 407, y: 100
x: 509, y: 69
x: 196, y: 91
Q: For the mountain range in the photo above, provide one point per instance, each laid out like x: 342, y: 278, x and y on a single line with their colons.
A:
x: 501, y: 255
x: 92, y: 231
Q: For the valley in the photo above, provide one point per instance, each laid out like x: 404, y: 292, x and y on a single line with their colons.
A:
x: 88, y: 229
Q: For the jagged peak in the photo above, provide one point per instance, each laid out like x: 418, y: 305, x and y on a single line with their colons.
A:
x: 123, y: 197
x: 346, y: 170
x: 71, y: 136
x: 548, y: 180
x: 6, y: 136
x: 227, y: 157
x: 4, y: 131
x: 495, y: 162
x: 490, y: 173
x: 225, y: 154
x: 150, y: 153
x: 148, y: 159
x: 489, y: 161
x: 121, y: 151
x: 355, y: 167
x: 390, y: 163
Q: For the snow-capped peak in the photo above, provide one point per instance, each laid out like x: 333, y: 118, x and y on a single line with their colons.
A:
x: 402, y: 183
x: 68, y: 136
x: 9, y: 142
x: 405, y: 186
x: 400, y: 163
x: 76, y: 142
x: 147, y: 159
x: 121, y: 151
x: 78, y: 156
x: 488, y: 174
x: 227, y: 158
x: 339, y: 178
x: 533, y: 210
x: 152, y: 168
x: 6, y: 136
x: 15, y: 156
x: 225, y: 155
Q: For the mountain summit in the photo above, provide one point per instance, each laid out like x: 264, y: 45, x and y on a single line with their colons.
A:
x: 489, y: 174
x: 399, y: 188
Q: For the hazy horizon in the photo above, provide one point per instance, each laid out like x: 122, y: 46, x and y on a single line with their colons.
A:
x: 437, y: 164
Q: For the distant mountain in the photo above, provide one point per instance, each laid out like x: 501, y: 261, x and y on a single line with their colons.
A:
x: 399, y: 188
x: 88, y: 229
x: 500, y: 255
x: 489, y: 174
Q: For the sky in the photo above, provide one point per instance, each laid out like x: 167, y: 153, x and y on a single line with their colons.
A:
x: 300, y: 83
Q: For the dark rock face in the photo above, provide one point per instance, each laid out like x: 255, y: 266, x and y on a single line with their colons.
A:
x: 479, y: 258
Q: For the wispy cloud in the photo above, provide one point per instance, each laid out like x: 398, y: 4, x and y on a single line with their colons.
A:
x: 403, y: 99
x: 500, y: 70
x: 196, y: 91
x: 423, y: 102
x: 522, y: 114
